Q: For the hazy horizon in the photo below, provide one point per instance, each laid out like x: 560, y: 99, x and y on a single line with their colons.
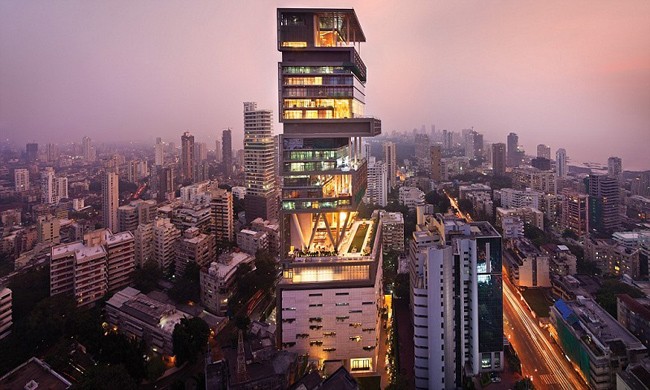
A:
x: 574, y: 75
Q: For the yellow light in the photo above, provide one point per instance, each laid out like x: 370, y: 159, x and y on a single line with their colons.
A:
x: 294, y: 44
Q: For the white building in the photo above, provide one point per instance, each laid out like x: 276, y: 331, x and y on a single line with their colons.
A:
x: 377, y: 190
x: 165, y: 238
x: 390, y: 159
x: 447, y: 321
x: 110, y: 200
x: 239, y: 192
x: 526, y: 265
x: 218, y: 280
x: 21, y: 180
x: 410, y: 197
x: 251, y: 241
x: 528, y: 215
x: 561, y: 163
x: 511, y: 198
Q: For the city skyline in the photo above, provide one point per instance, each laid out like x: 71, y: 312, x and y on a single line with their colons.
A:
x: 565, y: 75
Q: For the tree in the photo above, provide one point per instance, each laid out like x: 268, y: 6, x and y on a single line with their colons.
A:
x: 187, y: 287
x: 146, y: 278
x: 402, y: 286
x: 568, y: 233
x: 610, y: 288
x: 47, y: 321
x: 155, y: 368
x: 242, y: 322
x: 118, y: 349
x: 465, y: 205
x: 535, y: 235
x: 190, y: 337
x: 107, y: 377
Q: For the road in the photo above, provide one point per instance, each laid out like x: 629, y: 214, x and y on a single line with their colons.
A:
x: 540, y: 358
x: 454, y: 204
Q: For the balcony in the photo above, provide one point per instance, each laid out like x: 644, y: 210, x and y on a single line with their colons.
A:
x: 336, y: 127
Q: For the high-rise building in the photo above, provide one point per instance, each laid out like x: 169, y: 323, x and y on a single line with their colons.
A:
x: 159, y: 152
x: 51, y: 153
x: 330, y: 294
x: 48, y: 186
x: 436, y: 162
x: 166, y: 186
x: 259, y: 164
x: 188, y: 159
x: 499, y: 159
x: 88, y: 150
x: 21, y: 180
x: 513, y: 144
x: 615, y: 168
x: 456, y: 301
x: 110, y: 200
x: 641, y: 184
x: 226, y: 154
x: 31, y: 152
x: 575, y: 214
x: 194, y: 247
x: 221, y: 209
x: 560, y: 163
x: 604, y: 199
x: 544, y: 151
x: 218, y: 156
x: 165, y: 243
x: 447, y: 140
x: 200, y: 152
x: 377, y: 191
x: 390, y: 158
x: 144, y: 244
x: 422, y: 146
x: 48, y: 230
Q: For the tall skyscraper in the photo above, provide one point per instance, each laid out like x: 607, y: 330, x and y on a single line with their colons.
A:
x: 51, y: 152
x: 159, y: 152
x: 544, y: 151
x: 560, y: 163
x: 166, y: 185
x: 226, y: 154
x: 615, y: 168
x: 88, y: 150
x: 188, y: 159
x: 218, y: 156
x: 330, y: 292
x: 221, y: 208
x: 513, y: 143
x: 390, y: 158
x: 436, y: 162
x: 456, y: 302
x: 499, y: 159
x: 422, y: 146
x: 377, y: 191
x: 31, y: 152
x: 259, y: 164
x: 575, y: 214
x: 48, y: 186
x: 604, y: 199
x: 110, y: 200
x: 21, y: 180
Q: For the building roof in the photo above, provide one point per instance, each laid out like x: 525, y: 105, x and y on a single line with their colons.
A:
x: 34, y: 370
x: 354, y: 22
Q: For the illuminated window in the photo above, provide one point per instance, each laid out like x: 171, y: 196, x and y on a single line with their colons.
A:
x: 360, y: 364
x: 294, y: 44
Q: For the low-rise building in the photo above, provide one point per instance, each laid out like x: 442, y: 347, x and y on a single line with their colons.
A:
x: 464, y: 190
x: 526, y: 265
x: 250, y: 241
x: 562, y: 261
x: 598, y: 344
x: 272, y: 230
x: 392, y: 230
x: 34, y: 374
x: 137, y: 316
x: 195, y: 247
x: 634, y: 315
x: 410, y: 197
x: 218, y: 280
x: 528, y: 215
x: 512, y: 227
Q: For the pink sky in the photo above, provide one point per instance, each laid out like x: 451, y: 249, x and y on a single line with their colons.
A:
x: 569, y: 74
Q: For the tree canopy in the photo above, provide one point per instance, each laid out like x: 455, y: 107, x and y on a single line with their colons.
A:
x: 190, y: 337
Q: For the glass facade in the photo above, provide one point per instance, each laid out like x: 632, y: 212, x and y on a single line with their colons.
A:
x: 490, y: 294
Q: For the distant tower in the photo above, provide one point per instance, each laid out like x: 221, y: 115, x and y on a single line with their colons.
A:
x: 499, y: 159
x: 544, y: 151
x: 48, y: 186
x: 226, y: 142
x: 259, y: 164
x: 390, y: 159
x: 187, y: 157
x: 615, y: 168
x: 218, y: 151
x: 436, y: 162
x: 159, y: 152
x: 31, y: 151
x: 560, y: 163
x: 88, y: 150
x: 110, y: 200
x: 513, y: 142
x: 21, y: 180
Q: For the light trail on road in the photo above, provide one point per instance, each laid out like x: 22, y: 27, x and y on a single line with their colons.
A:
x: 560, y: 370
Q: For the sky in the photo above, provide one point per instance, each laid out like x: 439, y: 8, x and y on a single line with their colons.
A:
x: 571, y: 74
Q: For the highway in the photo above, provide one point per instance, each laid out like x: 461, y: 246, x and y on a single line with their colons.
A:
x: 540, y: 358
